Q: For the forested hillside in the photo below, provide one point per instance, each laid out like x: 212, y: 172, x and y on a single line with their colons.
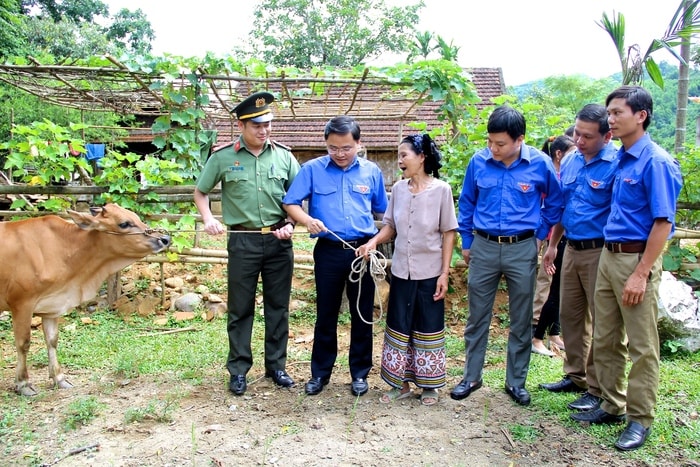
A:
x: 665, y: 102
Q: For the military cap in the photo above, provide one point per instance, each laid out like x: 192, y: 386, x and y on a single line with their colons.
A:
x: 255, y: 108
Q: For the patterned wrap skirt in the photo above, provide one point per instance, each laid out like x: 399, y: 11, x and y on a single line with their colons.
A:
x: 414, y: 339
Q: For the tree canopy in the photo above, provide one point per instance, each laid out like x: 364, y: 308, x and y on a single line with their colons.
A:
x: 339, y: 33
x: 70, y: 29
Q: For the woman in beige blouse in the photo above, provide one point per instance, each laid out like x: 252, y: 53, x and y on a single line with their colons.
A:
x: 421, y: 214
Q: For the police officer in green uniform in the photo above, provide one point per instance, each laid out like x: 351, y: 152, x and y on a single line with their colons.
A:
x: 254, y: 173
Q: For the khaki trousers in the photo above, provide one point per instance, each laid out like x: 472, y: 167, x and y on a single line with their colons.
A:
x: 577, y: 315
x: 542, y: 285
x: 610, y: 352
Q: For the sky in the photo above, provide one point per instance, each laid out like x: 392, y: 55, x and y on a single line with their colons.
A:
x: 527, y: 39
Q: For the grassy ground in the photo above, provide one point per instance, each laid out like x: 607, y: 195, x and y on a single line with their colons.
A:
x: 108, y: 344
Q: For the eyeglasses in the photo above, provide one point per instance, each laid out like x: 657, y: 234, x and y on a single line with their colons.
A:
x: 344, y: 150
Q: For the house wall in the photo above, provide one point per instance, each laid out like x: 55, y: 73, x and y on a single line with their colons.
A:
x: 386, y: 160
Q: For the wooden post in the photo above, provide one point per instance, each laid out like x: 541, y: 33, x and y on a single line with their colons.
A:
x: 114, y: 288
x: 162, y: 286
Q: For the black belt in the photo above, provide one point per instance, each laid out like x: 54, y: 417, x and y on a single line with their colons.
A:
x: 626, y: 247
x: 270, y: 228
x: 507, y: 238
x: 586, y: 244
x: 338, y: 244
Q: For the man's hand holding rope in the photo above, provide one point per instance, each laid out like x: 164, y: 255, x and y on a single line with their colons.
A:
x: 212, y: 226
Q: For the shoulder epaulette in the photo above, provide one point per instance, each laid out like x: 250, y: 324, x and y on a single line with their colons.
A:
x: 283, y: 146
x: 223, y: 146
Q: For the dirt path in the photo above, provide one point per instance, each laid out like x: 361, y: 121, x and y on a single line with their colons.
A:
x: 273, y: 426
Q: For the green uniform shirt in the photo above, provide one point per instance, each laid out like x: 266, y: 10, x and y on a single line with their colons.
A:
x: 252, y: 187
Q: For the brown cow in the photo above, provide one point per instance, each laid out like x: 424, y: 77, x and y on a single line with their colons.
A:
x: 50, y: 265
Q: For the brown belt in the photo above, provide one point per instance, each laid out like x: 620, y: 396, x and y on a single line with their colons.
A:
x: 585, y: 244
x: 626, y: 247
x: 270, y: 228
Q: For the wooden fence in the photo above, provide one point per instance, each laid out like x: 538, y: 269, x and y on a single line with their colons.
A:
x: 184, y: 193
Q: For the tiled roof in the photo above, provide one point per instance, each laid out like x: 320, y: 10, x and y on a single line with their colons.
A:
x: 378, y: 133
x: 303, y: 104
x: 383, y: 116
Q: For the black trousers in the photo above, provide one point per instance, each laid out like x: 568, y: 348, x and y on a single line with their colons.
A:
x: 250, y: 256
x: 332, y: 270
x: 549, y: 316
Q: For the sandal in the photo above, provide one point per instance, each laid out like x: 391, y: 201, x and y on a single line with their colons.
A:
x: 558, y: 343
x: 395, y: 395
x: 429, y: 397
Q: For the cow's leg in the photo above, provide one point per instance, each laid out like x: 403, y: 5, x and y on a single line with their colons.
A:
x: 22, y: 329
x: 50, y: 327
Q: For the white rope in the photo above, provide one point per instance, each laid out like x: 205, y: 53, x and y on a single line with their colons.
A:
x: 358, y: 268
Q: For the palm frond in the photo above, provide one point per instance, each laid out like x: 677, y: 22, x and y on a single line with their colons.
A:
x: 685, y: 23
x: 615, y: 28
x: 654, y: 72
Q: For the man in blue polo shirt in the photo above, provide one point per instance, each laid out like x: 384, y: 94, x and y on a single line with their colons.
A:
x: 343, y: 192
x: 510, y: 199
x: 629, y: 272
x: 587, y: 179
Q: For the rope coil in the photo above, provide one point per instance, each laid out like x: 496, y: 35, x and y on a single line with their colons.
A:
x: 377, y: 269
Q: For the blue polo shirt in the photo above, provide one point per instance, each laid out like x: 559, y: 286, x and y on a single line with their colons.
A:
x: 343, y: 199
x: 646, y: 188
x: 587, y: 188
x: 502, y: 200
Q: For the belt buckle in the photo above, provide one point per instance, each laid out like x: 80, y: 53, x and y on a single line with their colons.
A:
x: 505, y: 239
x: 265, y: 230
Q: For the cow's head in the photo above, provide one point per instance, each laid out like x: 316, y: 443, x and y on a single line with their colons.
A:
x: 138, y: 239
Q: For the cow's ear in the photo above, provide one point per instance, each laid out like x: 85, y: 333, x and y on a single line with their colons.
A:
x: 84, y: 220
x: 96, y: 210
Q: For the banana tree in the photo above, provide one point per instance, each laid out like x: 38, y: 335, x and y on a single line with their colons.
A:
x: 685, y: 23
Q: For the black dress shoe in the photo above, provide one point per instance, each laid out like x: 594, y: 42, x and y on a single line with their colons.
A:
x: 633, y: 437
x: 584, y: 403
x: 237, y: 384
x: 463, y: 389
x: 519, y: 394
x: 597, y: 416
x: 315, y: 385
x: 359, y: 386
x: 565, y: 385
x: 280, y: 377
